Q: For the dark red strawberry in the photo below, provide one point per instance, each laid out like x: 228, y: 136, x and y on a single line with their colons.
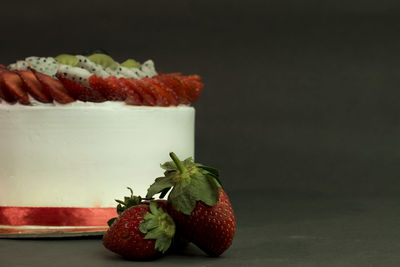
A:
x: 54, y: 87
x: 15, y: 86
x: 211, y: 228
x: 2, y: 66
x: 141, y: 232
x: 4, y: 92
x: 198, y: 204
x: 34, y: 87
x: 135, y: 86
x: 178, y: 241
x: 81, y: 92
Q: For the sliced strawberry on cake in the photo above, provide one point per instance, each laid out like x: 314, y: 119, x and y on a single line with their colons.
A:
x: 4, y: 92
x: 117, y: 91
x: 34, y: 87
x: 55, y: 88
x: 136, y: 89
x: 81, y: 92
x: 167, y: 92
x: 193, y: 86
x: 13, y: 84
x: 173, y: 82
x: 157, y: 93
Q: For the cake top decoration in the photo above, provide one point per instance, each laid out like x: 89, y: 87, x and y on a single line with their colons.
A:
x: 95, y: 78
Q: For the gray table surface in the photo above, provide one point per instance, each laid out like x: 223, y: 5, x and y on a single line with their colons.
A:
x: 286, y: 231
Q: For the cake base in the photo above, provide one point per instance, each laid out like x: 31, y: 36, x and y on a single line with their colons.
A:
x: 29, y: 222
x: 51, y: 232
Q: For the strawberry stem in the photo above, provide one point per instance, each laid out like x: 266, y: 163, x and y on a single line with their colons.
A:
x: 178, y: 163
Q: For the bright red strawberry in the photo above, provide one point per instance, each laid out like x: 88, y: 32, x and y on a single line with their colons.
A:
x: 135, y: 86
x: 198, y: 204
x: 193, y: 86
x: 133, y: 98
x: 140, y: 232
x: 172, y: 81
x: 34, y: 87
x: 81, y: 92
x: 54, y: 87
x: 100, y: 85
x: 15, y: 86
x: 167, y: 92
x: 117, y: 91
x: 160, y: 98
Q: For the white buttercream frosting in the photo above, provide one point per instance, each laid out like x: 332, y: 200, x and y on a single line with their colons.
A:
x: 85, y: 154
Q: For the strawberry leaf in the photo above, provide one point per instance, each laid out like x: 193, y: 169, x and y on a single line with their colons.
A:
x: 160, y: 184
x: 190, y: 182
x: 111, y: 221
x: 158, y: 225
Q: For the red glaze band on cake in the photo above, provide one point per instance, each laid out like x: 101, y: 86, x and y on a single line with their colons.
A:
x: 55, y: 216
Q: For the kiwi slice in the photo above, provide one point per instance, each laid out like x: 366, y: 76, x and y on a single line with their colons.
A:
x: 67, y: 59
x: 104, y: 60
x: 130, y: 63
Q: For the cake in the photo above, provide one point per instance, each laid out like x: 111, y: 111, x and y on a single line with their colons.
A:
x: 75, y: 131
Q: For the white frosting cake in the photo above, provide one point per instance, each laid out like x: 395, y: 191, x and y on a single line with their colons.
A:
x: 86, y: 154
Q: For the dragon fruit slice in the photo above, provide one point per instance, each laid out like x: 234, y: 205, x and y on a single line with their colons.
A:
x: 19, y: 65
x: 148, y: 68
x: 75, y: 74
x: 92, y: 67
x: 46, y: 65
x: 132, y: 73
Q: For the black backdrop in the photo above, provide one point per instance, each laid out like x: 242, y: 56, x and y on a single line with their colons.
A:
x: 301, y: 97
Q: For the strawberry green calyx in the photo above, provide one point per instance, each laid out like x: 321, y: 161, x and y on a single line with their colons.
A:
x: 190, y: 182
x: 125, y: 204
x: 158, y: 225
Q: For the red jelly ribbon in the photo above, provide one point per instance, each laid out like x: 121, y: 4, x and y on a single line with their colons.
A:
x: 55, y: 216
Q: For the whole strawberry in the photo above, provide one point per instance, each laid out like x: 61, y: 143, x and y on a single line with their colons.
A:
x: 198, y: 204
x: 141, y: 232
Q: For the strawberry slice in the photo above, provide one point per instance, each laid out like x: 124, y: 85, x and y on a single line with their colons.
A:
x: 34, y: 87
x: 167, y: 93
x: 136, y: 87
x: 2, y: 66
x: 15, y: 86
x: 99, y: 84
x: 4, y: 93
x: 80, y: 92
x: 55, y: 88
x: 173, y: 82
x: 133, y: 98
x: 172, y: 97
x: 192, y: 87
x: 156, y: 92
x: 117, y: 91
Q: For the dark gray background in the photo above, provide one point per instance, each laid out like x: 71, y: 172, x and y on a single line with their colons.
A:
x: 300, y: 112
